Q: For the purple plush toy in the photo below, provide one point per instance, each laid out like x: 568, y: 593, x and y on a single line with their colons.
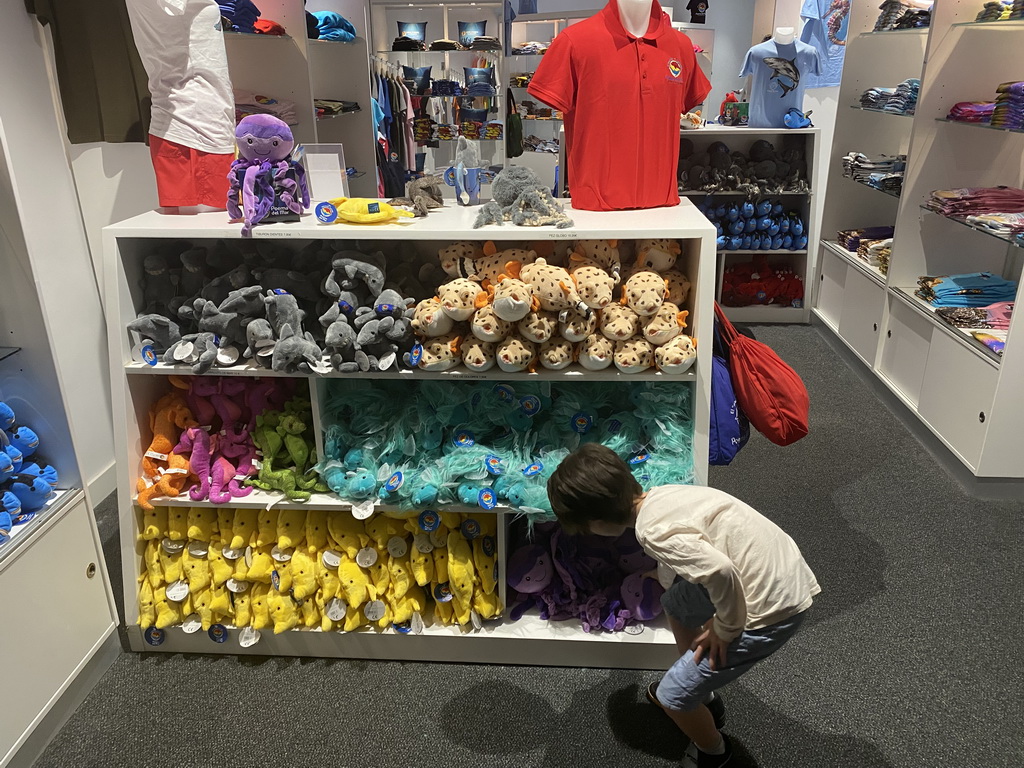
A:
x: 268, y: 183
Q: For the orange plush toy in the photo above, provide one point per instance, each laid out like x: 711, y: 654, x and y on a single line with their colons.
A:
x: 164, y: 473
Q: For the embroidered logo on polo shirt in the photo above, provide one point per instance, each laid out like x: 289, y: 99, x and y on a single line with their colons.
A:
x: 674, y: 68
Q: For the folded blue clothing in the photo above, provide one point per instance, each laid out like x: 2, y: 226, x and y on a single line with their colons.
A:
x: 241, y: 13
x: 334, y: 26
x: 971, y: 289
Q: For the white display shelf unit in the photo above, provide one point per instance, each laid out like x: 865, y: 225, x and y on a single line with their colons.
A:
x: 805, y: 203
x: 300, y: 70
x: 527, y: 641
x: 959, y: 389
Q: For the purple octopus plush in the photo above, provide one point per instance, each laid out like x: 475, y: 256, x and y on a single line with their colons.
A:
x: 266, y: 185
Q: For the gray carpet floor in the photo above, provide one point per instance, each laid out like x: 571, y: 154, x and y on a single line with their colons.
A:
x: 912, y: 658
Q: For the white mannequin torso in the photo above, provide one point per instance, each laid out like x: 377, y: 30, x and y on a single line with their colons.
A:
x: 784, y: 35
x: 635, y: 16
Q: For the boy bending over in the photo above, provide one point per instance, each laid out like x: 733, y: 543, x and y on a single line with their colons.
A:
x: 737, y: 586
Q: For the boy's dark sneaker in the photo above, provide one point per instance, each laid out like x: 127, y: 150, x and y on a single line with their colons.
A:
x: 704, y: 760
x: 716, y: 705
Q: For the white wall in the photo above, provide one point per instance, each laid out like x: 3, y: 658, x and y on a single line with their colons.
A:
x: 56, y: 243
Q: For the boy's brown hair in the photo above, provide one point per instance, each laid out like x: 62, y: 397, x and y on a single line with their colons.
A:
x: 592, y: 483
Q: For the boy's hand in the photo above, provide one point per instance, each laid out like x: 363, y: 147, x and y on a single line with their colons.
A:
x: 708, y: 642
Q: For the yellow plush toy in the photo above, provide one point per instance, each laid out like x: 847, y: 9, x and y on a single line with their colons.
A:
x: 220, y: 569
x: 266, y: 527
x: 348, y: 533
x: 354, y: 590
x: 202, y: 523
x: 243, y: 607
x: 168, y: 613
x: 259, y: 605
x: 244, y: 528
x: 461, y: 576
x: 283, y: 612
x: 291, y: 528
x: 310, y: 614
x: 485, y: 552
x: 154, y: 523
x: 487, y: 606
x: 225, y: 525
x: 414, y: 601
x: 303, y: 570
x: 220, y: 604
x: 421, y: 564
x: 358, y: 210
x: 196, y: 570
x: 201, y: 605
x: 381, y: 528
x: 177, y: 523
x: 316, y: 531
x: 147, y: 604
x: 154, y: 565
x: 261, y: 566
x: 171, y: 566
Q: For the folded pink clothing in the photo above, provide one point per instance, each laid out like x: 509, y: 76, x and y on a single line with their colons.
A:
x: 998, y: 315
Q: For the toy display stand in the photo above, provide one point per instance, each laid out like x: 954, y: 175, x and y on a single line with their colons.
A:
x: 806, y: 204
x: 529, y: 640
x: 960, y: 391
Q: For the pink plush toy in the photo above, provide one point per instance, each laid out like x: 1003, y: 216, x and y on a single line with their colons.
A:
x: 195, y: 442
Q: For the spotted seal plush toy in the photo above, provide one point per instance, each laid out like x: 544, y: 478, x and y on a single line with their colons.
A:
x: 665, y: 324
x: 478, y: 355
x: 619, y: 323
x: 515, y: 354
x: 512, y: 299
x: 657, y: 255
x: 596, y: 352
x: 538, y: 326
x: 460, y: 298
x: 553, y: 286
x: 487, y: 326
x: 430, y: 319
x: 644, y: 292
x: 440, y: 353
x: 676, y: 356
x: 577, y: 327
x: 678, y: 286
x: 556, y: 353
x: 633, y: 355
x: 599, y: 253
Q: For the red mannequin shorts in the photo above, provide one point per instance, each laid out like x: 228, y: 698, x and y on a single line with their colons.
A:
x: 187, y: 176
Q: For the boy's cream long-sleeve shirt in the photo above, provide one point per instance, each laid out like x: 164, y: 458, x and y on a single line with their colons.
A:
x: 753, y: 571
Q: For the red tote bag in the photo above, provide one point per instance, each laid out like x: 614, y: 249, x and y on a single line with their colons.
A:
x: 770, y: 392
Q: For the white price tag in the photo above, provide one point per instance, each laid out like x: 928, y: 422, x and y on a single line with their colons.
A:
x: 634, y: 629
x: 183, y: 352
x: 236, y: 586
x: 177, y: 591
x: 336, y: 609
x: 386, y: 361
x: 191, y: 624
x: 232, y: 553
x: 198, y: 548
x: 227, y: 356
x: 366, y: 557
x: 423, y: 543
x: 375, y: 610
x: 416, y: 623
x: 361, y: 510
x: 155, y: 455
x: 331, y: 559
x: 172, y: 547
x: 474, y: 617
x: 248, y: 557
x: 248, y: 637
x: 439, y: 538
x: 281, y: 555
x: 397, y: 546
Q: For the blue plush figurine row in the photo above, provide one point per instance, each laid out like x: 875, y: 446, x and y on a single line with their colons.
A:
x: 418, y: 444
x: 760, y: 226
x: 25, y: 485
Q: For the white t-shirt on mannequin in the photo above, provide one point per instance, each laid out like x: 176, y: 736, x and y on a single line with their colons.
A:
x: 182, y: 47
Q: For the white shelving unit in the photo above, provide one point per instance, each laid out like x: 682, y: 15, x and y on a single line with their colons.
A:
x: 967, y: 396
x: 527, y: 641
x: 807, y: 204
x: 300, y: 70
x: 54, y: 648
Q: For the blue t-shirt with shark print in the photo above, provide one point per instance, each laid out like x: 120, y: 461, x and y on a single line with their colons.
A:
x: 780, y: 73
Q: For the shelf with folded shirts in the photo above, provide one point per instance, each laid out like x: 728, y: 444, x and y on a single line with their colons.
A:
x: 985, y: 126
x: 882, y: 111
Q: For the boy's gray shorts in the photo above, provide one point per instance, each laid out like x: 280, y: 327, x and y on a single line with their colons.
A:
x: 686, y: 684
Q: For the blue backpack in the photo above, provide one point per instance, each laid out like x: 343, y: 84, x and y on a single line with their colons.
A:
x: 729, y: 430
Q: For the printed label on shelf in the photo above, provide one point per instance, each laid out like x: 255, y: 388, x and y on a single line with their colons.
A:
x: 177, y: 591
x: 281, y: 555
x: 366, y: 557
x: 474, y: 617
x: 423, y: 544
x: 191, y: 624
x: 331, y: 559
x: 361, y: 510
x: 397, y: 546
x: 336, y: 609
x: 198, y: 548
x: 172, y: 547
x: 634, y: 629
x: 416, y: 623
x: 236, y: 586
x: 248, y: 637
x: 155, y: 455
x: 374, y: 610
x: 232, y: 553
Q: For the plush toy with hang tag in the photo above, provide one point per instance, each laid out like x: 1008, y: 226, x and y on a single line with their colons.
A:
x: 603, y: 254
x: 554, y: 288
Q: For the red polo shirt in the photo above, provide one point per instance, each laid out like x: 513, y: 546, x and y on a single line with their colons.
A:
x: 621, y: 97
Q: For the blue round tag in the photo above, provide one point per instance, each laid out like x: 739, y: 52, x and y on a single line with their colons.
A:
x: 394, y: 482
x: 404, y: 628
x: 470, y: 528
x: 154, y: 636
x: 533, y: 469
x: 429, y: 520
x: 530, y: 405
x: 326, y: 213
x: 582, y: 422
x: 415, y: 355
x: 275, y: 579
x: 281, y: 292
x: 442, y: 592
x: 149, y: 356
x: 504, y: 392
x: 488, y: 545
x: 493, y: 464
x: 487, y: 500
x: 218, y: 633
x: 640, y: 457
x: 464, y: 438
